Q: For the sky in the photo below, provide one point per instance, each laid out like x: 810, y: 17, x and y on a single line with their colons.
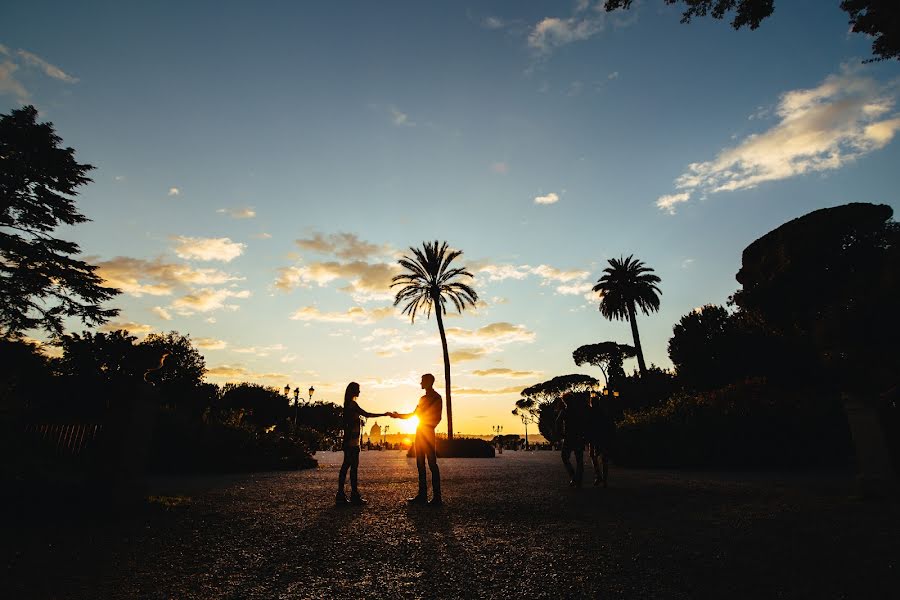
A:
x: 261, y: 166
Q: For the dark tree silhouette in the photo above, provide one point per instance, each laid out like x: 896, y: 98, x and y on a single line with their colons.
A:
x: 703, y: 348
x: 537, y: 400
x: 627, y: 284
x: 878, y: 19
x: 429, y: 283
x: 40, y: 282
x: 608, y: 356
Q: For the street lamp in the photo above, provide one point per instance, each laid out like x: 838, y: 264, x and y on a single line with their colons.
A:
x: 296, y: 404
x: 311, y: 391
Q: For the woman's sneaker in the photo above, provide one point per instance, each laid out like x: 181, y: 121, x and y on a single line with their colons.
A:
x: 340, y: 499
x: 357, y: 500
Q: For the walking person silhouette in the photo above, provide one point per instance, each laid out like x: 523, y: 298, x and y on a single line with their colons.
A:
x: 352, y: 412
x: 429, y: 412
x: 571, y: 418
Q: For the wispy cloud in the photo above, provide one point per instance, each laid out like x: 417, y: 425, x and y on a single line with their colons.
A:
x: 355, y: 314
x: 670, y: 201
x: 553, y: 32
x: 342, y: 245
x: 207, y: 300
x: 504, y: 372
x: 136, y: 329
x: 174, y: 191
x: 468, y: 344
x: 365, y: 281
x: 207, y: 343
x: 501, y: 168
x: 400, y: 118
x: 515, y: 389
x: 241, y: 373
x: 157, y: 277
x: 162, y: 313
x: 819, y: 129
x: 551, y: 198
x: 49, y: 70
x: 567, y: 281
x: 244, y: 212
x: 9, y: 85
x: 221, y: 249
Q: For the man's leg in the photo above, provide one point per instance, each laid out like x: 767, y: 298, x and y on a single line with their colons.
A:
x: 566, y: 458
x: 422, y: 496
x: 579, y: 465
x: 431, y: 454
x: 595, y: 462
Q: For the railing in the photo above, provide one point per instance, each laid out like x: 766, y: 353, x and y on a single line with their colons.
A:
x: 70, y: 439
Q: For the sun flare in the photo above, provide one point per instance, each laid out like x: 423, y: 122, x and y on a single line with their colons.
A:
x: 409, y: 425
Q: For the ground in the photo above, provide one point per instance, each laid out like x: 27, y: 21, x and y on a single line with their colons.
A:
x: 510, y: 527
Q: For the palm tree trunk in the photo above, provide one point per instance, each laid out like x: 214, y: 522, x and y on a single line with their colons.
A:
x: 637, y: 339
x: 440, y: 322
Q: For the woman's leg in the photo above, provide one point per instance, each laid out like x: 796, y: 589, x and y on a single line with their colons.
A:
x: 354, y: 471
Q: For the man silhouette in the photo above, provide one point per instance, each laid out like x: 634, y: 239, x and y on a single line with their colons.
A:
x: 429, y: 413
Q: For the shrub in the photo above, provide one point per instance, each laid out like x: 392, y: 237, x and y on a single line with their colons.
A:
x: 460, y: 448
x: 750, y: 424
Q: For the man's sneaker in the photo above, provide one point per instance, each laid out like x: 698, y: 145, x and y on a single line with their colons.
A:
x: 341, y: 500
x: 357, y: 500
x: 436, y: 501
x: 417, y: 500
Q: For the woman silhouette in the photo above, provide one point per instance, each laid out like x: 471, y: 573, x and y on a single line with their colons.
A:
x: 352, y: 414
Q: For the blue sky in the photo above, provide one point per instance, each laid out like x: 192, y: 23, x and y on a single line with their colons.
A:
x: 261, y: 165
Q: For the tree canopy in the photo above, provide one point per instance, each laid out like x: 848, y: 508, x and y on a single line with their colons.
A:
x: 41, y: 284
x: 608, y: 356
x: 878, y: 19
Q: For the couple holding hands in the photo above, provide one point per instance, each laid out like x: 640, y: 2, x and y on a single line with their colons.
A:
x: 428, y: 411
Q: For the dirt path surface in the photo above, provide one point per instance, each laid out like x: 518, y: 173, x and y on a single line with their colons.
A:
x: 510, y: 528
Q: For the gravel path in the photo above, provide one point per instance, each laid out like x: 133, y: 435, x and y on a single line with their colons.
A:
x: 510, y: 528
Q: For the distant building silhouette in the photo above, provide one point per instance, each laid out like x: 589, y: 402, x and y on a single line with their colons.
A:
x: 375, y: 433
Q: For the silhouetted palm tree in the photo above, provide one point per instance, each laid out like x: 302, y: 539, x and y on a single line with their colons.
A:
x: 428, y: 282
x: 628, y: 284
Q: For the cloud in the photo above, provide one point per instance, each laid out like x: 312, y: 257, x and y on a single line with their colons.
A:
x: 239, y: 372
x: 162, y: 313
x: 8, y: 83
x: 174, y: 191
x: 501, y: 168
x: 401, y: 119
x: 342, y: 245
x: 355, y: 314
x: 206, y: 343
x: 138, y: 329
x: 365, y: 281
x: 503, y: 372
x: 819, y: 129
x: 571, y: 282
x: 494, y: 334
x: 613, y: 75
x: 492, y: 23
x: 551, y: 198
x: 686, y: 263
x: 156, y: 277
x: 261, y: 351
x: 207, y: 300
x: 245, y: 212
x: 50, y: 70
x: 553, y: 32
x: 222, y: 249
x: 262, y: 236
x: 482, y: 392
x: 467, y: 354
x: 668, y: 202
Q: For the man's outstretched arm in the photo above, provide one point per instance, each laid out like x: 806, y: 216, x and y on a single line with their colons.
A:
x: 397, y: 415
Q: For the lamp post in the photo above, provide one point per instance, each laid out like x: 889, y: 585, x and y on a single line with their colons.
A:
x: 296, y: 405
x: 384, y: 435
x: 311, y: 391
